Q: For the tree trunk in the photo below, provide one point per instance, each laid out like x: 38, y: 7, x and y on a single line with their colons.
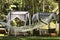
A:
x: 33, y: 5
x: 43, y: 5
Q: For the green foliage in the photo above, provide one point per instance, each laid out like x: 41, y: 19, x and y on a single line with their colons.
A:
x: 49, y: 2
x: 17, y: 22
x: 2, y: 26
x: 31, y: 6
x: 2, y: 17
x: 13, y: 23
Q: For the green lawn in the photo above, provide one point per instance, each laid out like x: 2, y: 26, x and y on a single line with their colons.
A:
x: 28, y: 38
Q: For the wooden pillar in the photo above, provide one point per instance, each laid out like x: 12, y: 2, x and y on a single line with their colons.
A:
x: 49, y: 27
x: 55, y: 18
x: 29, y: 19
x: 56, y: 25
x: 38, y: 17
x: 9, y: 23
x: 25, y: 20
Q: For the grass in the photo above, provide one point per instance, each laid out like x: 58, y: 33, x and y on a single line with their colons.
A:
x: 28, y: 38
x: 1, y: 34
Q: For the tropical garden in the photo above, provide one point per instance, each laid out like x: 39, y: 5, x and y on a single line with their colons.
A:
x: 32, y: 6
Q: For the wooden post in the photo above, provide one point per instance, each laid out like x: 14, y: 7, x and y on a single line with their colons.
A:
x: 29, y: 19
x: 56, y: 25
x: 49, y: 27
x: 25, y: 20
x: 38, y: 17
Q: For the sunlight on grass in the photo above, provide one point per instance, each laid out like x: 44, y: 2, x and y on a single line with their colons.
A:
x: 1, y: 34
x: 52, y: 25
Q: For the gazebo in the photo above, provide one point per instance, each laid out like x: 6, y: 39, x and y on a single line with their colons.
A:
x: 22, y: 15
